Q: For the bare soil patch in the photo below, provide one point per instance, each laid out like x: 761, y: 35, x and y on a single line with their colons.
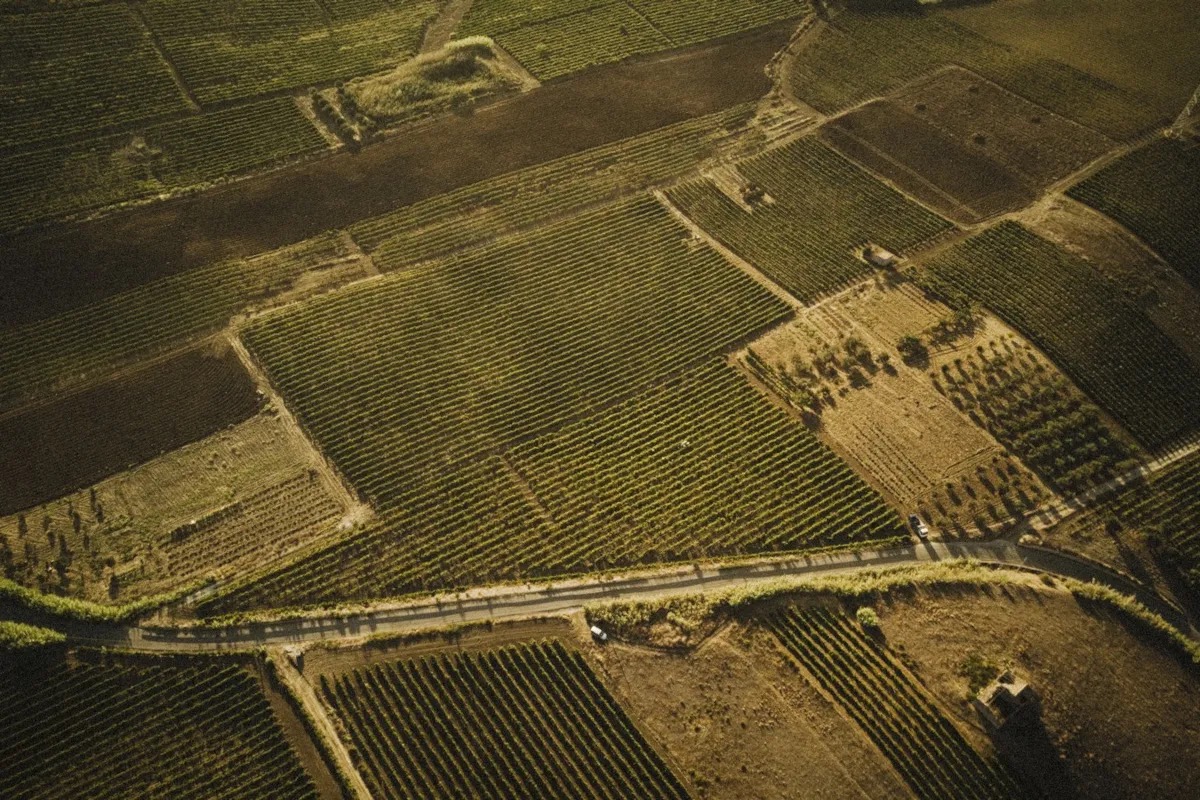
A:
x: 886, y: 417
x: 69, y: 265
x: 79, y: 439
x: 1119, y: 712
x: 243, y: 495
x: 963, y: 145
x: 740, y: 722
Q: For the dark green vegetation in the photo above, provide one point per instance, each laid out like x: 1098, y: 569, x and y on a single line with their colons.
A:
x: 556, y: 38
x: 187, y: 729
x: 83, y: 437
x: 864, y: 55
x: 78, y: 70
x: 1155, y: 192
x: 1084, y: 323
x: 148, y: 319
x: 705, y: 465
x: 501, y: 343
x: 821, y: 209
x: 236, y: 48
x: 892, y: 708
x: 698, y: 466
x: 521, y: 721
x: 1035, y: 413
x: 158, y: 158
x: 529, y: 197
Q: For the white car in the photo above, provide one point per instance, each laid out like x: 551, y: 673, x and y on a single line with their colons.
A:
x: 919, y: 527
x: 598, y: 634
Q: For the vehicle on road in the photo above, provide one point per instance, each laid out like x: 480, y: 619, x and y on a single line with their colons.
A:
x: 919, y: 527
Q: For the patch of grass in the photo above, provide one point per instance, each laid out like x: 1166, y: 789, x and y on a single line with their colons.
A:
x: 464, y: 70
x: 979, y: 672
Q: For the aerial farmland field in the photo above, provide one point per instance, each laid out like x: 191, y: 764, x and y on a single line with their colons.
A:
x: 725, y: 399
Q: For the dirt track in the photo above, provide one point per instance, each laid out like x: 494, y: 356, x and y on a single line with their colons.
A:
x: 62, y: 267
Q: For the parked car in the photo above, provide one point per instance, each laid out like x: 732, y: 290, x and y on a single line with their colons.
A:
x: 919, y: 527
x: 598, y: 634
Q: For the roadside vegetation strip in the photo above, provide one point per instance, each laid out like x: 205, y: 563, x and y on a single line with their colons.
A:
x: 501, y: 343
x: 864, y: 55
x: 821, y: 209
x: 77, y: 70
x: 517, y: 721
x: 1154, y: 192
x: 1036, y: 412
x: 895, y: 712
x: 71, y: 608
x: 1106, y: 345
x: 698, y: 467
x: 521, y: 199
x: 17, y: 637
x: 148, y: 319
x: 150, y: 160
x: 89, y: 728
x: 244, y: 49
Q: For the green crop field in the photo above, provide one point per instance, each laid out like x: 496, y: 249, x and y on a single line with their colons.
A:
x: 170, y: 155
x: 861, y: 55
x: 1155, y: 192
x: 560, y: 46
x: 556, y: 38
x: 699, y: 466
x: 500, y: 343
x: 692, y: 21
x: 1167, y: 509
x: 1107, y: 346
x: 824, y: 209
x: 1037, y: 414
x: 525, y: 198
x: 147, y: 319
x: 77, y: 70
x: 519, y: 721
x: 895, y: 711
x: 117, y: 730
x: 235, y: 48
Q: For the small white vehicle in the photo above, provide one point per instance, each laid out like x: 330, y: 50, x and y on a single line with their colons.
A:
x: 598, y: 634
x: 919, y: 527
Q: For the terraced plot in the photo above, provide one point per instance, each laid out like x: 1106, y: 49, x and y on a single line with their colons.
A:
x: 1106, y: 345
x: 501, y: 343
x: 526, y: 198
x: 822, y: 210
x: 1155, y: 192
x: 523, y: 721
x: 234, y: 48
x: 895, y: 712
x: 77, y: 70
x: 153, y: 317
x: 112, y: 169
x: 832, y: 73
x: 193, y: 730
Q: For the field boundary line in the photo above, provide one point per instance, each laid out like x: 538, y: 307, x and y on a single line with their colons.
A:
x: 343, y: 490
x: 303, y: 691
x: 161, y: 50
x: 731, y: 257
x: 652, y: 26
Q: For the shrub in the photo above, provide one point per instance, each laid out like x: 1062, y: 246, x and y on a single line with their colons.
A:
x: 867, y: 618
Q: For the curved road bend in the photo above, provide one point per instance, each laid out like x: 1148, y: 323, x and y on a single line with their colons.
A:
x: 509, y: 603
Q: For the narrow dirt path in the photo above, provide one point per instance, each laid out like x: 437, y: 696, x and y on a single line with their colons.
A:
x: 439, y: 32
x: 303, y: 691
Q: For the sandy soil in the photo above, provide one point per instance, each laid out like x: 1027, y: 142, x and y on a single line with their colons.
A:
x: 1125, y: 715
x: 740, y: 722
x: 66, y: 266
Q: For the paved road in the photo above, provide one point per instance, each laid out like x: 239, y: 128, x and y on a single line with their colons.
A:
x: 514, y: 602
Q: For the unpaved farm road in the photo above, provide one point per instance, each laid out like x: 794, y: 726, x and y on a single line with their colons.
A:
x: 527, y: 601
